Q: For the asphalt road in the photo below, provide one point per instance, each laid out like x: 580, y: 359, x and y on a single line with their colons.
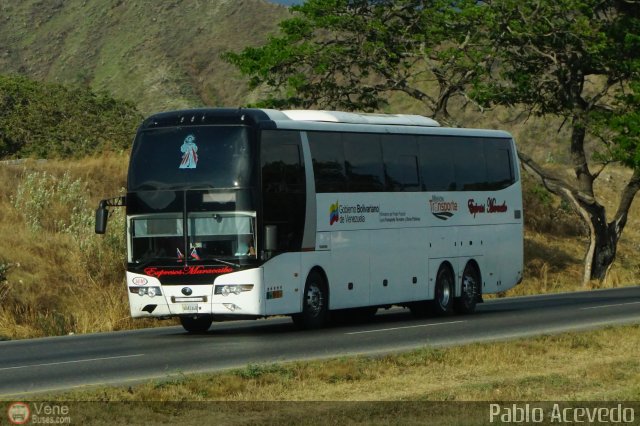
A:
x: 56, y: 363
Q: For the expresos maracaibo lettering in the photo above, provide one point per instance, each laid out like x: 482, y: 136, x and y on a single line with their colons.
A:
x: 491, y: 206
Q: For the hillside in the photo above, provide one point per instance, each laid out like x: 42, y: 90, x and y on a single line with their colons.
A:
x: 158, y: 55
x: 48, y: 120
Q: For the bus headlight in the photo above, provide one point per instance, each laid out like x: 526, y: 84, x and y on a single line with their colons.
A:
x: 146, y: 291
x: 236, y: 289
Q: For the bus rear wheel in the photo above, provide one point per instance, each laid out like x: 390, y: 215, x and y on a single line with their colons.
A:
x: 470, y: 290
x: 315, y: 303
x: 199, y: 324
x: 444, y: 292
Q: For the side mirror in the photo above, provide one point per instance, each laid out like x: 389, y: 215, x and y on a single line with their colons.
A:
x: 271, y: 238
x: 102, y: 214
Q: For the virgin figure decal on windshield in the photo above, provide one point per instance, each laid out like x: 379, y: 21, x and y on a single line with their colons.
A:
x: 189, y: 151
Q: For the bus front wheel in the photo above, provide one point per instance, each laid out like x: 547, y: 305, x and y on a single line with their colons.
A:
x: 315, y: 303
x: 199, y: 324
x: 444, y: 292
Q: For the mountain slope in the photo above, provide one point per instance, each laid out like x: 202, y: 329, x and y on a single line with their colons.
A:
x: 159, y: 55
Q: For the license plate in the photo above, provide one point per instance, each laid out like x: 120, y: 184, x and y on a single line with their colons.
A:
x: 189, y: 307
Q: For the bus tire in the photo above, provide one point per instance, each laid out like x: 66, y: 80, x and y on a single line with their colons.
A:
x: 199, y: 324
x: 315, y: 303
x: 469, y: 291
x: 443, y: 292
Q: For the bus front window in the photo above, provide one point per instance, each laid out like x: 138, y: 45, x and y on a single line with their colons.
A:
x: 157, y: 237
x: 212, y: 236
x: 221, y: 235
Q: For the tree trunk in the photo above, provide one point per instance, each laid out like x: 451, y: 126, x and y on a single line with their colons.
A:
x: 604, y: 240
x: 603, y: 236
x: 606, y: 235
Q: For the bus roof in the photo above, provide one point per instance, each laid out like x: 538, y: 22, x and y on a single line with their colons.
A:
x: 360, y: 118
x: 312, y: 120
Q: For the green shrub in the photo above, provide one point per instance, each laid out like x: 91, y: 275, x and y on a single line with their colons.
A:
x: 46, y: 120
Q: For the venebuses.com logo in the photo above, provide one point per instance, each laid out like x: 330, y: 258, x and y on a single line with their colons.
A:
x: 20, y: 413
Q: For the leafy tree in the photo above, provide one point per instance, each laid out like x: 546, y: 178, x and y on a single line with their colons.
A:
x: 353, y: 54
x: 574, y: 59
x: 48, y: 120
x: 578, y: 60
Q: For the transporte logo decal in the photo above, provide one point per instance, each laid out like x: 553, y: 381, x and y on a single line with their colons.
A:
x: 441, y: 208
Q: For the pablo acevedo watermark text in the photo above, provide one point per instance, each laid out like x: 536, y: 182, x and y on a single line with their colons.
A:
x: 529, y: 413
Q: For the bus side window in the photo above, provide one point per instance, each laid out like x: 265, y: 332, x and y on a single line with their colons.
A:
x: 400, y: 154
x: 283, y: 186
x: 471, y: 168
x: 363, y: 162
x: 500, y: 173
x: 437, y: 164
x: 328, y: 162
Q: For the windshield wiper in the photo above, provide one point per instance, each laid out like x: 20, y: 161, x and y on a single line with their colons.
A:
x: 148, y: 260
x: 224, y: 262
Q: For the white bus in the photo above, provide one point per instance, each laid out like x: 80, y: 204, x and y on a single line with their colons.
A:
x: 247, y: 213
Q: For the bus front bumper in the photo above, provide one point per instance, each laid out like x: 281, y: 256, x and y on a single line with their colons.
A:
x: 237, y: 293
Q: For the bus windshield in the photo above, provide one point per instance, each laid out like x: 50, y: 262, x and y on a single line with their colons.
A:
x: 211, y: 236
x: 190, y: 157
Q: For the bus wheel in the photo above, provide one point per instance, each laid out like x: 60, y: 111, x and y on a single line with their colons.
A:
x: 466, y: 303
x: 199, y: 324
x: 315, y: 307
x: 444, y: 291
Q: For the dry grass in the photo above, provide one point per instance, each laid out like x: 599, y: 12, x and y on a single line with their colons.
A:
x: 60, y: 277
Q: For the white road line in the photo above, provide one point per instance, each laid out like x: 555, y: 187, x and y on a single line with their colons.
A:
x: 70, y: 362
x: 608, y: 306
x: 402, y: 328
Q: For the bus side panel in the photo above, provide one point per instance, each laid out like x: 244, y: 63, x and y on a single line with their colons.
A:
x: 510, y: 247
x: 492, y: 273
x: 503, y: 257
x: 349, y: 274
x: 504, y: 245
x: 283, y: 284
x: 398, y: 265
x: 443, y: 247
